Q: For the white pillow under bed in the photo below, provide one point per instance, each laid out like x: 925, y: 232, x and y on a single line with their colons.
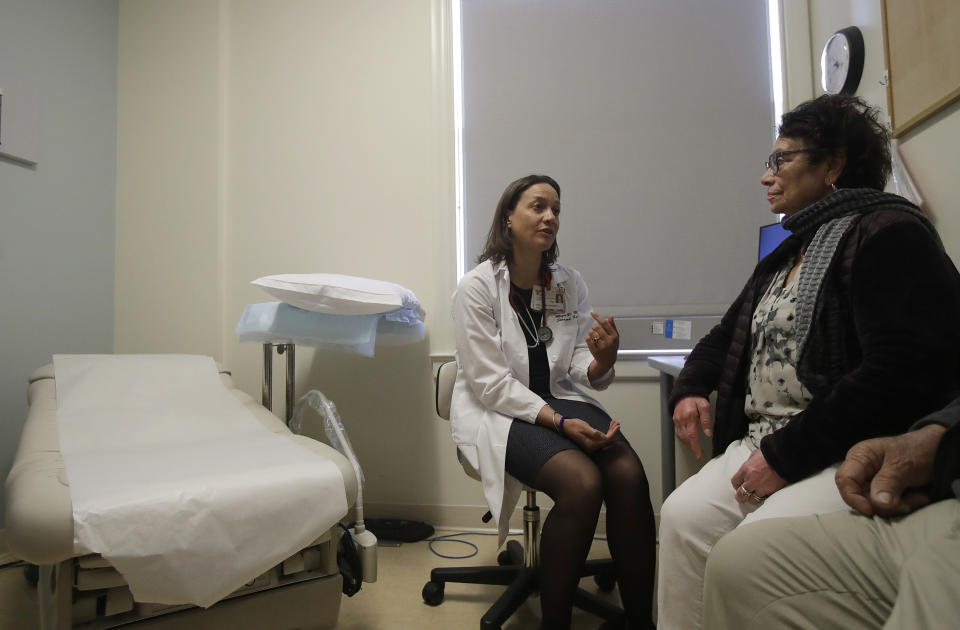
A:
x: 338, y: 294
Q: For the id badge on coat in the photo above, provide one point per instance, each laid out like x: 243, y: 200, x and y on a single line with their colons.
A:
x: 537, y: 300
x: 555, y: 299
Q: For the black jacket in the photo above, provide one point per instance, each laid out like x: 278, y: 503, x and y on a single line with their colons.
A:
x: 945, y: 482
x: 889, y: 308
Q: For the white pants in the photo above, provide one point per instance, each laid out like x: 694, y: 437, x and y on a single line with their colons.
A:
x: 838, y: 571
x: 698, y: 513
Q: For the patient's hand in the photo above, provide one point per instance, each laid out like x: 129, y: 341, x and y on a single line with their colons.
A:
x: 689, y: 416
x: 758, y: 477
x: 881, y: 476
x: 586, y: 437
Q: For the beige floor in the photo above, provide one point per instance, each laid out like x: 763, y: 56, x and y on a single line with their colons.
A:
x: 393, y: 602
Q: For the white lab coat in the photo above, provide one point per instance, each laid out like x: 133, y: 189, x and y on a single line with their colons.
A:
x: 494, y: 372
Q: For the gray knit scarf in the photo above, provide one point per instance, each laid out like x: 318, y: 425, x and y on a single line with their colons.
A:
x: 830, y: 218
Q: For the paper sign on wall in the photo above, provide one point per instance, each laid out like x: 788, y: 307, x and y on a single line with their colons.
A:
x: 677, y: 329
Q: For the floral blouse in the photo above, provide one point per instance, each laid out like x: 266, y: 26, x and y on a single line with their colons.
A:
x: 774, y: 394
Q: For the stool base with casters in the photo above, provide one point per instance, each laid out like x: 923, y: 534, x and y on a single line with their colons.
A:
x: 517, y: 570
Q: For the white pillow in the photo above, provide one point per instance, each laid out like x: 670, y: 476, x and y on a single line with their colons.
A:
x: 338, y: 294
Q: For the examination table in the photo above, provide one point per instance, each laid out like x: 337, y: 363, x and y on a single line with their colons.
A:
x: 82, y: 590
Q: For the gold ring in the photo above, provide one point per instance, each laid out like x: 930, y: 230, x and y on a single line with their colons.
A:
x: 756, y: 498
x: 743, y: 492
x: 596, y: 339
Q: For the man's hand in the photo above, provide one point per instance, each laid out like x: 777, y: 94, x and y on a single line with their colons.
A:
x: 882, y: 476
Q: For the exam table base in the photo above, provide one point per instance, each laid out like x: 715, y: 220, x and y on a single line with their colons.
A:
x: 280, y: 598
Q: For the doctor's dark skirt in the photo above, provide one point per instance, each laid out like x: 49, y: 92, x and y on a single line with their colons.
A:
x: 529, y: 445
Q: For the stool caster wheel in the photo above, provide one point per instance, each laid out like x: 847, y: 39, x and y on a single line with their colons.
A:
x: 433, y: 593
x: 605, y: 581
x: 511, y: 555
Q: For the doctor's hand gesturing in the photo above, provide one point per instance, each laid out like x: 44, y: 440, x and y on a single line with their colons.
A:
x: 603, y: 340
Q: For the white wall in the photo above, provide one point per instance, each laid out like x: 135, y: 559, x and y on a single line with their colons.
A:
x: 57, y: 218
x: 169, y: 226
x: 339, y: 163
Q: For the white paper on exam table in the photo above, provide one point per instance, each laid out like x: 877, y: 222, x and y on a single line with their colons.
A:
x: 178, y: 484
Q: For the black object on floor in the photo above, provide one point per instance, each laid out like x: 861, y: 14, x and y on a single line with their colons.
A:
x: 348, y: 561
x: 31, y: 573
x: 398, y: 529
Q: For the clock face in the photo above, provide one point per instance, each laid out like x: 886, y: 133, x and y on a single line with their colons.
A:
x: 835, y: 63
x: 841, y: 64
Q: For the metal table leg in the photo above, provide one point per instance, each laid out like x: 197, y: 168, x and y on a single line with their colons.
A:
x: 668, y: 464
x: 290, y: 377
x: 266, y: 390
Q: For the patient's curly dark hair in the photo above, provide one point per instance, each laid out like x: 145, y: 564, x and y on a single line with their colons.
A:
x: 841, y: 122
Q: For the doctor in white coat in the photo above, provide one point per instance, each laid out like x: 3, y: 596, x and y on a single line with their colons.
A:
x: 527, y: 341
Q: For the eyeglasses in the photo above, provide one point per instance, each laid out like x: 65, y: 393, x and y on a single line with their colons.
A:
x: 775, y: 159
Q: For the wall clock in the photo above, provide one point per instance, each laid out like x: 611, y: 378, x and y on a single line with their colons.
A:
x: 841, y: 64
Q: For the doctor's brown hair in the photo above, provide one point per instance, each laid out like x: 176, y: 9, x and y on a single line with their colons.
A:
x: 499, y: 245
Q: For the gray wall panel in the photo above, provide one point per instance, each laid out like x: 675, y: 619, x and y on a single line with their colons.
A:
x: 57, y: 234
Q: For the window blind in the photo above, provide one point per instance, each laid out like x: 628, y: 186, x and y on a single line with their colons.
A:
x: 655, y: 118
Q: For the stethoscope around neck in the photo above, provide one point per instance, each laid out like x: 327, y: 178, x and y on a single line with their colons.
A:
x: 542, y: 333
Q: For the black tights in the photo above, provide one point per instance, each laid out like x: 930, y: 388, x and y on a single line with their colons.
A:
x: 578, y: 483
